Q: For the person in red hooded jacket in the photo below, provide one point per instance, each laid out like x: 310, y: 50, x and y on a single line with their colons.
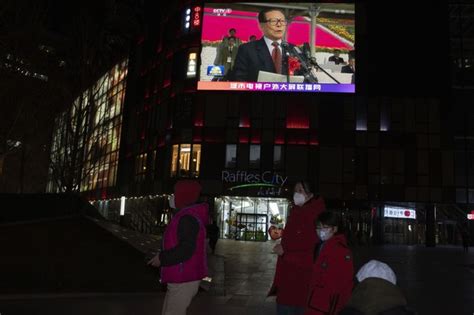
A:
x: 183, y: 258
x: 333, y: 271
x: 294, y: 264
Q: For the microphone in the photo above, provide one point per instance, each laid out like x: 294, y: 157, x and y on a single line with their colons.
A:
x: 290, y: 50
x: 304, y: 61
x: 285, y: 48
x: 307, y: 50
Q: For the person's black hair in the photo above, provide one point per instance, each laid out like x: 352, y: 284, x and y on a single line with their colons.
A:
x: 232, y: 29
x: 337, y: 50
x: 308, y: 188
x: 262, y: 15
x: 329, y: 218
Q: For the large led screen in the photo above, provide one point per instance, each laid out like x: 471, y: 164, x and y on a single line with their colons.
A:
x: 285, y: 47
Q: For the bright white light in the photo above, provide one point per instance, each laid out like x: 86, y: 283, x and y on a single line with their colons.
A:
x: 409, y: 227
x: 186, y: 25
x: 274, y: 208
x: 188, y: 18
x: 122, y: 205
x: 188, y: 11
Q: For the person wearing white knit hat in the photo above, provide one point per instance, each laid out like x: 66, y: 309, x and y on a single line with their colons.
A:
x: 376, y: 269
x: 377, y: 292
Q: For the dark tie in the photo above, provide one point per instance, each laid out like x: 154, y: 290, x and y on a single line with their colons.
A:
x: 276, y: 56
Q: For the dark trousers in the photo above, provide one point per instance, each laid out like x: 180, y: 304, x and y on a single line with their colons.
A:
x: 212, y: 244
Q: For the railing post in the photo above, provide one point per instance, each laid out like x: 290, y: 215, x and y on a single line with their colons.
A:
x: 430, y: 236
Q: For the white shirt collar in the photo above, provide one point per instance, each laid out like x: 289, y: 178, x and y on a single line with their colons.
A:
x: 269, y: 42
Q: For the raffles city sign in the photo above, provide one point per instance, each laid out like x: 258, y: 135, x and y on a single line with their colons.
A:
x: 267, y: 183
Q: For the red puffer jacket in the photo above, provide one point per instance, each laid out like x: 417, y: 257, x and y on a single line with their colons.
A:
x: 332, y: 278
x: 293, y: 269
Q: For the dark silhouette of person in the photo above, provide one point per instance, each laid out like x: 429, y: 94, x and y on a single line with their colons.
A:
x: 213, y: 232
x: 465, y: 240
x: 335, y: 58
x: 350, y: 68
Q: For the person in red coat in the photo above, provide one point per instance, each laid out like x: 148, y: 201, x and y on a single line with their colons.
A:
x: 293, y: 269
x: 333, y: 271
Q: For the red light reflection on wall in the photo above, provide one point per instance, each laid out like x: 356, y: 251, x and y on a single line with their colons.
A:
x: 199, y: 115
x: 313, y: 138
x: 243, y: 136
x: 256, y: 137
x: 297, y: 117
x: 279, y: 137
x: 197, y: 135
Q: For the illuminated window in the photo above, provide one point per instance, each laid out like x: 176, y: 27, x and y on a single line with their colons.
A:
x: 186, y: 160
x: 384, y: 117
x: 86, y: 140
x: 174, y: 161
x: 153, y: 165
x: 254, y: 157
x: 361, y: 116
x: 192, y: 64
x: 278, y: 157
x: 140, y: 167
x: 231, y: 156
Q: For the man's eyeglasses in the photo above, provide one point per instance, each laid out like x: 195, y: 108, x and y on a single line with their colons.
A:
x: 274, y: 22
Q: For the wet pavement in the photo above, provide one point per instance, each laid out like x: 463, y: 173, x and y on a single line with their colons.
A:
x: 435, y: 280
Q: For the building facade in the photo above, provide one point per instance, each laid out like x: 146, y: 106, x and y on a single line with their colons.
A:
x: 385, y: 157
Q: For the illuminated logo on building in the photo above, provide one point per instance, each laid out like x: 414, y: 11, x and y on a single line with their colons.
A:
x: 470, y: 216
x: 196, y: 16
x: 268, y: 183
x: 398, y: 212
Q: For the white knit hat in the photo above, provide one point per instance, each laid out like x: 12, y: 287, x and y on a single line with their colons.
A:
x: 376, y: 269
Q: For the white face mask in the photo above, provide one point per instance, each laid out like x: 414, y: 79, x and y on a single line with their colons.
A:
x: 299, y: 199
x: 171, y: 202
x: 324, y: 234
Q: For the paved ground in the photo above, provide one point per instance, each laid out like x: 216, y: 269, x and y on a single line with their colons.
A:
x: 436, y: 281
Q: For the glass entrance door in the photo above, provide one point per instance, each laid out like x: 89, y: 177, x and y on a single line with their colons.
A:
x: 252, y: 227
x: 248, y: 218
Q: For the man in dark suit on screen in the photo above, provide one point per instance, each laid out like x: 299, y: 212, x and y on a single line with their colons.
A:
x: 350, y: 68
x: 266, y: 53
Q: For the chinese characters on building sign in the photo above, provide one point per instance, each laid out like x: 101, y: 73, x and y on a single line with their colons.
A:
x: 470, y: 216
x: 398, y: 212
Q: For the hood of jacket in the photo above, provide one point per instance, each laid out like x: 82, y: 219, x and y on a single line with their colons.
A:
x: 186, y: 193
